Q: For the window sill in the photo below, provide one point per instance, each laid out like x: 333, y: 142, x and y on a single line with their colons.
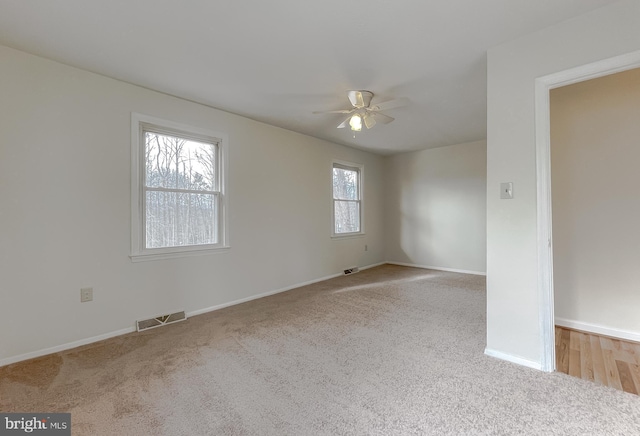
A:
x: 348, y: 235
x: 175, y: 254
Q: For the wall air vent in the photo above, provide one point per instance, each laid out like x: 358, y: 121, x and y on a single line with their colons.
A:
x: 348, y: 271
x: 161, y: 320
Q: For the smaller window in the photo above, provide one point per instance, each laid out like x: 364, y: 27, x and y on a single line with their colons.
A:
x: 347, y: 199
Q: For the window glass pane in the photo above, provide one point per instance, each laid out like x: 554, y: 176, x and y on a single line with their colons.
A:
x: 173, y: 162
x: 347, y: 216
x: 179, y: 219
x: 345, y: 184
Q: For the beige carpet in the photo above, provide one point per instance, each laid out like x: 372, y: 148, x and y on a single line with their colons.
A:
x: 387, y: 351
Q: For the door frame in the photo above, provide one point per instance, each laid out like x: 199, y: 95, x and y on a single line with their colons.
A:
x: 543, y: 176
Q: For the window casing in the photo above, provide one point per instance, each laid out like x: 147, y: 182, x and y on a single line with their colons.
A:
x: 347, y: 199
x: 178, y: 199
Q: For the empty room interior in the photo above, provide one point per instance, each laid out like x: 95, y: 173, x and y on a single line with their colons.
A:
x: 320, y: 218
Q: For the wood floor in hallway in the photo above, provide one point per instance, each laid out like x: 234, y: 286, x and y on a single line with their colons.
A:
x: 601, y: 359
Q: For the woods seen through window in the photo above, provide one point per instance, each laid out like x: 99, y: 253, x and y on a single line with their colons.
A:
x: 347, y: 214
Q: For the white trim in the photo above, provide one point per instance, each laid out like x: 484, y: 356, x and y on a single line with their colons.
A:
x: 513, y: 359
x: 138, y: 252
x: 438, y: 268
x: 604, y: 67
x: 264, y: 294
x: 360, y: 168
x: 63, y: 347
x: 177, y: 252
x: 277, y: 291
x: 543, y: 223
x: 599, y: 329
x: 70, y: 345
x: 543, y: 174
x: 373, y: 265
x: 338, y: 237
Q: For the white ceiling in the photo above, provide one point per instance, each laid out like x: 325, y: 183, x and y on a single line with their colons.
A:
x: 277, y: 61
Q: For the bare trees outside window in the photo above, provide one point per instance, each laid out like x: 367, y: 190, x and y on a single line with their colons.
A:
x: 181, y: 191
x: 346, y: 199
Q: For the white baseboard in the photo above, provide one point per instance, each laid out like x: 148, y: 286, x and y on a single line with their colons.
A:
x: 513, y: 359
x: 598, y: 329
x: 74, y: 344
x: 255, y: 297
x: 277, y: 291
x: 63, y: 347
x: 438, y: 268
x: 373, y: 265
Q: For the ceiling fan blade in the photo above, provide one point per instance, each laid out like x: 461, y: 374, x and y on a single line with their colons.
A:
x: 381, y: 118
x: 369, y: 120
x: 390, y: 104
x: 342, y: 111
x: 345, y: 123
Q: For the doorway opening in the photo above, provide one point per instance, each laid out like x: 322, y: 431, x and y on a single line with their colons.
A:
x: 595, y: 211
x: 543, y: 86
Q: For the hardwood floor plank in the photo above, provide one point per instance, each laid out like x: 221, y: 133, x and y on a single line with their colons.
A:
x: 599, y: 372
x: 606, y: 343
x: 574, y: 363
x: 633, y: 349
x: 626, y: 380
x: 574, y: 342
x: 562, y: 352
x: 621, y: 351
x: 602, y: 359
x: 635, y: 374
x: 615, y: 344
x: 624, y: 356
x: 586, y: 363
x: 613, y: 378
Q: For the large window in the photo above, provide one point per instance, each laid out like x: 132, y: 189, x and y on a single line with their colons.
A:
x: 347, y: 203
x: 178, y: 201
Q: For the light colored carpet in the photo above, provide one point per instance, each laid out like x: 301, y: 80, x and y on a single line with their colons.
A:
x: 390, y: 350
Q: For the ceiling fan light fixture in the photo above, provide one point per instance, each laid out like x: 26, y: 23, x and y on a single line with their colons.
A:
x: 363, y: 113
x: 356, y: 123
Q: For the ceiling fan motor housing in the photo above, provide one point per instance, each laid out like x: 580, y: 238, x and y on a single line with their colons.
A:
x: 360, y: 99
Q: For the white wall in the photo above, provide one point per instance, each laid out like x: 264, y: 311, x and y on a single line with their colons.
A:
x: 513, y: 321
x: 436, y: 207
x: 596, y: 208
x: 65, y: 214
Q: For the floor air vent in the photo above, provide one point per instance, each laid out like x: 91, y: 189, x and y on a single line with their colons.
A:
x: 351, y: 270
x: 161, y: 320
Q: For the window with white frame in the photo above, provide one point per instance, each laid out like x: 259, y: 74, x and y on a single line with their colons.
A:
x: 178, y: 198
x: 347, y: 199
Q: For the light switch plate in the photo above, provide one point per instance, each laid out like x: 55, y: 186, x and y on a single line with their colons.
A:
x: 86, y: 294
x: 506, y: 190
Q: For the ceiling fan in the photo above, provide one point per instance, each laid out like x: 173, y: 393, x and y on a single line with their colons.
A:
x: 363, y: 112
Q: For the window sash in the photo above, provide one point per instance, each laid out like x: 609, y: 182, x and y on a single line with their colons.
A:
x: 177, y: 133
x: 212, y: 141
x: 178, y: 230
x: 337, y: 195
x: 353, y: 219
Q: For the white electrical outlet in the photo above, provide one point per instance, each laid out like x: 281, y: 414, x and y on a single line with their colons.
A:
x: 86, y: 294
